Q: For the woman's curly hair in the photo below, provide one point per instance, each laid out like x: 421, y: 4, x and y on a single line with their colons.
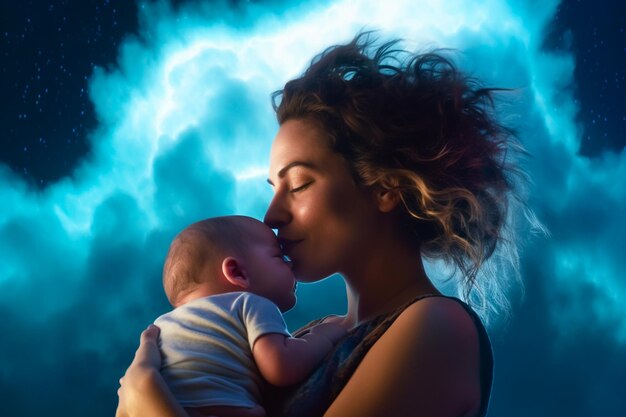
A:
x: 415, y: 124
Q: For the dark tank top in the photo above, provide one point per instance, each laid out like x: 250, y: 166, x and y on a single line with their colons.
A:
x: 313, y: 396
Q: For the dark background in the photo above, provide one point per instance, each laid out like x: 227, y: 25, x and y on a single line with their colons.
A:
x: 49, y: 50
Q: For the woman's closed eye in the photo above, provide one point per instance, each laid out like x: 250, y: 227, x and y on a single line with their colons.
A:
x: 301, y: 187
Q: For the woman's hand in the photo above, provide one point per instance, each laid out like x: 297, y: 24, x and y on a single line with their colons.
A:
x: 147, y: 359
x: 148, y: 355
x: 143, y: 392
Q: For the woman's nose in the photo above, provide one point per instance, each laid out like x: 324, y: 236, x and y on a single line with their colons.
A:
x: 277, y: 214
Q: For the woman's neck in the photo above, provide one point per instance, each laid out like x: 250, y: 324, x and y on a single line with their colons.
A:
x: 384, y: 283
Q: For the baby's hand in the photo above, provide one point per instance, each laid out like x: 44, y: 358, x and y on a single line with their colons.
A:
x: 332, y: 330
x: 333, y: 318
x: 343, y: 321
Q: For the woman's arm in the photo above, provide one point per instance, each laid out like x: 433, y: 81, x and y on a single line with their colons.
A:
x: 286, y: 360
x: 426, y: 364
x: 143, y: 391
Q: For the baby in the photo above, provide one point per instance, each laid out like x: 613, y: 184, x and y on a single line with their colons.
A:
x: 229, y: 283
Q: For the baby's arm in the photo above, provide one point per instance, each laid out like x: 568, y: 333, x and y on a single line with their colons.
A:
x: 286, y: 360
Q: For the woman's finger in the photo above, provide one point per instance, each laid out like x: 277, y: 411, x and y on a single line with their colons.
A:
x: 120, y: 412
x: 121, y: 409
x: 151, y: 334
x: 147, y: 353
x: 146, y: 356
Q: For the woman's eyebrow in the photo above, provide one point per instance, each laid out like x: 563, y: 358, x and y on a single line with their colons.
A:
x: 290, y: 165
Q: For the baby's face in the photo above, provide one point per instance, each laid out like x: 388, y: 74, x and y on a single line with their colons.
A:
x: 269, y: 273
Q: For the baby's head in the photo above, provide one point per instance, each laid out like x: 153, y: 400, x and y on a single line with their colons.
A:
x: 225, y: 254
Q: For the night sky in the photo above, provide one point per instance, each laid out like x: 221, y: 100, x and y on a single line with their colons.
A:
x: 122, y: 122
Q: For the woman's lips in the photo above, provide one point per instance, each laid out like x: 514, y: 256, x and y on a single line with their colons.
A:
x: 287, y: 245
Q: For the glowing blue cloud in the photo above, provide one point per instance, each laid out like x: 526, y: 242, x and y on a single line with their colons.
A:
x: 185, y: 130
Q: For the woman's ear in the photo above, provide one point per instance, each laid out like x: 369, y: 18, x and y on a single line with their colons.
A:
x: 387, y: 200
x: 234, y: 273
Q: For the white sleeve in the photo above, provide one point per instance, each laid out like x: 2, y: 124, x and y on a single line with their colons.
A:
x: 261, y: 316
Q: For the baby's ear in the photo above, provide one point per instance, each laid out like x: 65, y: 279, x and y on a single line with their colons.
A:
x: 234, y: 273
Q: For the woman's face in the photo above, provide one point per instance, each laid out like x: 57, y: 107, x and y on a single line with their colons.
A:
x: 322, y: 216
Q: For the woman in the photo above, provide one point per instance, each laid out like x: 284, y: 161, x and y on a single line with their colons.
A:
x: 382, y: 158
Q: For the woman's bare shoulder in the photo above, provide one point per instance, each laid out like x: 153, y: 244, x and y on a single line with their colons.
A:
x: 440, y: 329
x: 443, y: 318
x: 425, y: 364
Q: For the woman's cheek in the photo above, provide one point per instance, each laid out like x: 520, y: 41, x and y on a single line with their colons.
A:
x: 306, y: 211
